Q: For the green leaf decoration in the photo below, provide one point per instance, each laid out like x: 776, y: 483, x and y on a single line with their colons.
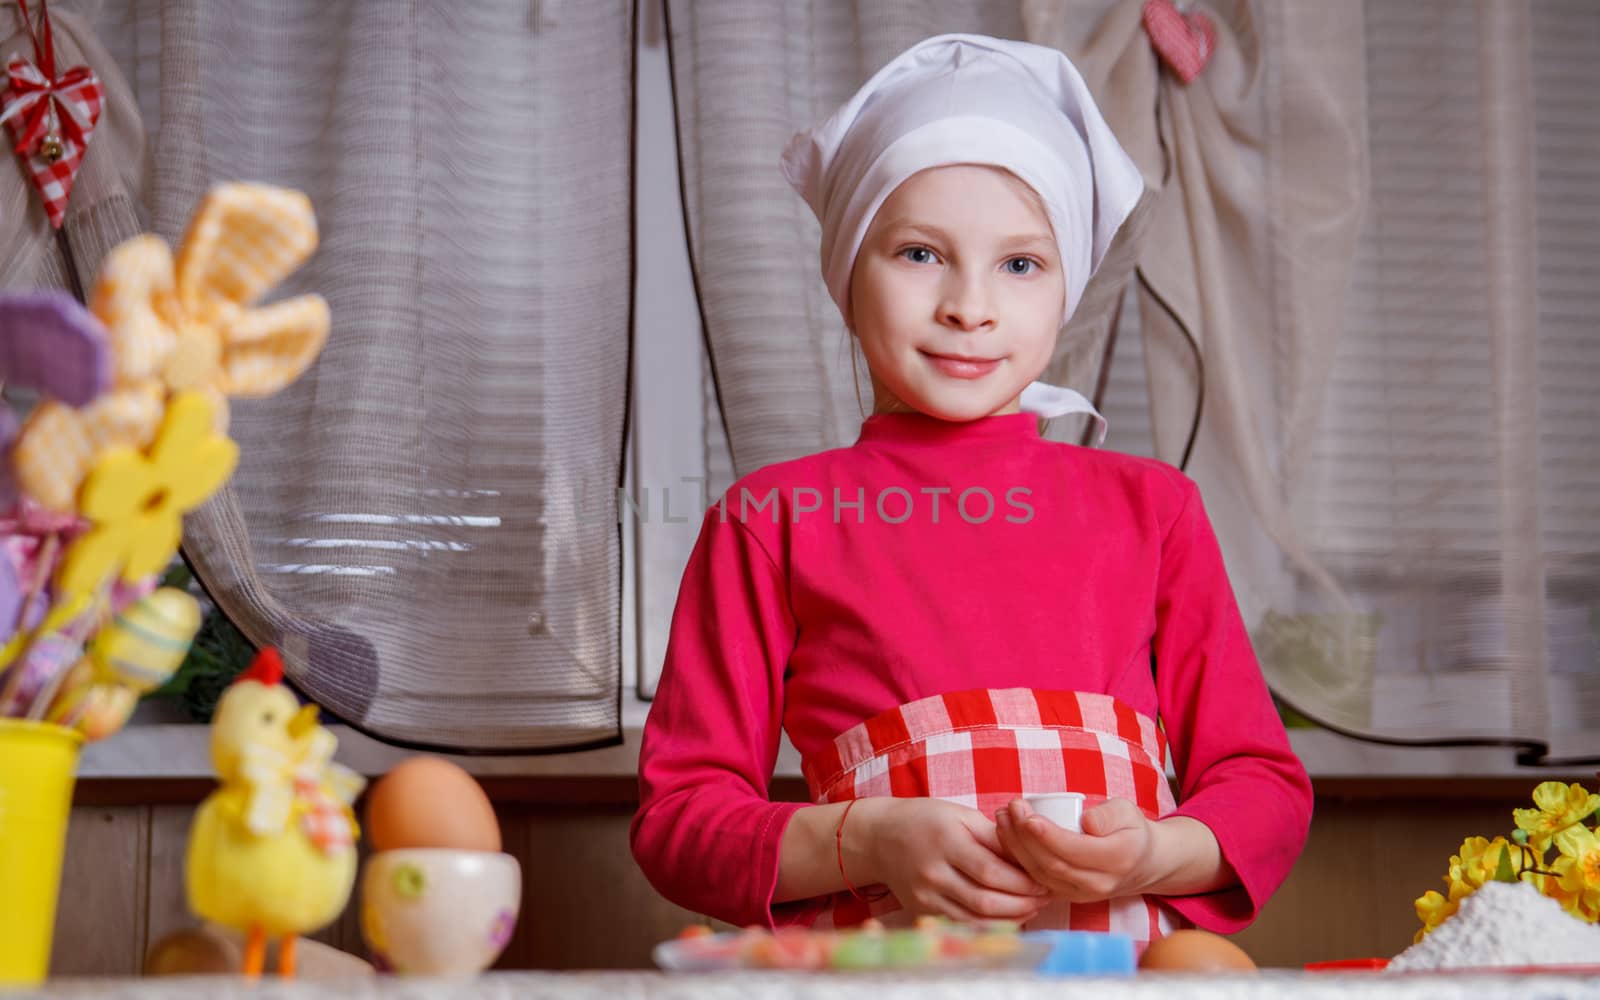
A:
x: 1504, y: 872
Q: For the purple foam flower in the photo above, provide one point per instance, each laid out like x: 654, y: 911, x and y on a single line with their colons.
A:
x: 51, y: 343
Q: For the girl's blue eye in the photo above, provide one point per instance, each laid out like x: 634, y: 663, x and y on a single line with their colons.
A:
x: 1020, y: 266
x: 918, y: 255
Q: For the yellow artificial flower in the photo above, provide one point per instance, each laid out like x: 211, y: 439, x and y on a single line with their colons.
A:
x: 136, y: 502
x: 1559, y: 807
x: 1433, y: 910
x: 1577, y: 882
x: 1475, y: 863
x: 189, y: 325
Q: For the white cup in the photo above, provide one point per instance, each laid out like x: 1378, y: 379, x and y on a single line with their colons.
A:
x: 437, y: 911
x: 1064, y: 809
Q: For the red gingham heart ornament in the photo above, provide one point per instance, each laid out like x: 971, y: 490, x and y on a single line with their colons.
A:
x: 51, y: 117
x: 1184, y: 42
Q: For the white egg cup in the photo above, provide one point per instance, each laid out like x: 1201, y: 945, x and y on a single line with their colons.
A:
x: 1064, y: 809
x: 439, y: 912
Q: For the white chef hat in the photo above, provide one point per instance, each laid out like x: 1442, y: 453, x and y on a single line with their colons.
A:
x: 968, y: 99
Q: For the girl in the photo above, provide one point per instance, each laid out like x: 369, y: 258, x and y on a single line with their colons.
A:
x: 954, y: 613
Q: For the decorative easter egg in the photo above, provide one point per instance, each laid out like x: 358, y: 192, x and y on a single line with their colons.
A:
x: 428, y: 802
x: 1195, y: 951
x: 143, y: 645
x: 89, y: 705
x: 105, y: 710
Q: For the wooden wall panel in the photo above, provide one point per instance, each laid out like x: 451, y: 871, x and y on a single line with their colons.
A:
x: 1350, y: 895
x: 168, y: 908
x: 586, y: 905
x: 100, y: 915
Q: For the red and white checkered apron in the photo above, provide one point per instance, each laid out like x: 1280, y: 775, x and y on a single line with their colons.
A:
x: 982, y: 749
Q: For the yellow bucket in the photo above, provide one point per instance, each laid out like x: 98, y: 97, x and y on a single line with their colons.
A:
x: 38, y: 763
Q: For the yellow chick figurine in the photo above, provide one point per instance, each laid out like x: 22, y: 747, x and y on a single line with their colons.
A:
x: 272, y: 851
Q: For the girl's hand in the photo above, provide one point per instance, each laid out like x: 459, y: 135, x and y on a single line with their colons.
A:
x: 942, y: 859
x: 1116, y: 854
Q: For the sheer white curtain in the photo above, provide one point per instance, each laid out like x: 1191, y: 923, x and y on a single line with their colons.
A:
x: 1457, y: 475
x: 1257, y: 171
x: 1394, y: 378
x: 425, y: 523
x: 1444, y: 481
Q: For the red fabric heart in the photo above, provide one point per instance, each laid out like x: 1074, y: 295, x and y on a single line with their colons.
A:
x: 66, y: 108
x: 1184, y: 42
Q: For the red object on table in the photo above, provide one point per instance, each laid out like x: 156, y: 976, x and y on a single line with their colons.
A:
x: 1379, y: 964
x: 1349, y: 965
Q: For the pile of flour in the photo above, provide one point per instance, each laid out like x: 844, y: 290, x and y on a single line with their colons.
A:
x: 1504, y: 923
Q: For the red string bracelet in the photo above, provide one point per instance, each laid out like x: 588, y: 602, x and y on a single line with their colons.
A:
x: 838, y: 846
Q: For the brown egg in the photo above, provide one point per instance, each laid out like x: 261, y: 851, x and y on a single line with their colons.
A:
x: 213, y: 951
x: 192, y: 952
x: 430, y: 802
x: 1195, y: 951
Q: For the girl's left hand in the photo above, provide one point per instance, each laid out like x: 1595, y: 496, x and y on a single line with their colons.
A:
x: 1114, y: 856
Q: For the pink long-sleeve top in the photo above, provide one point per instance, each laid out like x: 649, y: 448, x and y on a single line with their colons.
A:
x: 828, y: 589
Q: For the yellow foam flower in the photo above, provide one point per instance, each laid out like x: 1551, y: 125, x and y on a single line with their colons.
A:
x: 1558, y: 808
x: 1577, y: 882
x: 136, y: 502
x: 185, y: 325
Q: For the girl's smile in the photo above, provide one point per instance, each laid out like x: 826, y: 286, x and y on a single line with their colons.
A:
x: 959, y: 366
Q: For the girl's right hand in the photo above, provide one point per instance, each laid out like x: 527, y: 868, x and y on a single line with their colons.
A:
x: 941, y: 859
